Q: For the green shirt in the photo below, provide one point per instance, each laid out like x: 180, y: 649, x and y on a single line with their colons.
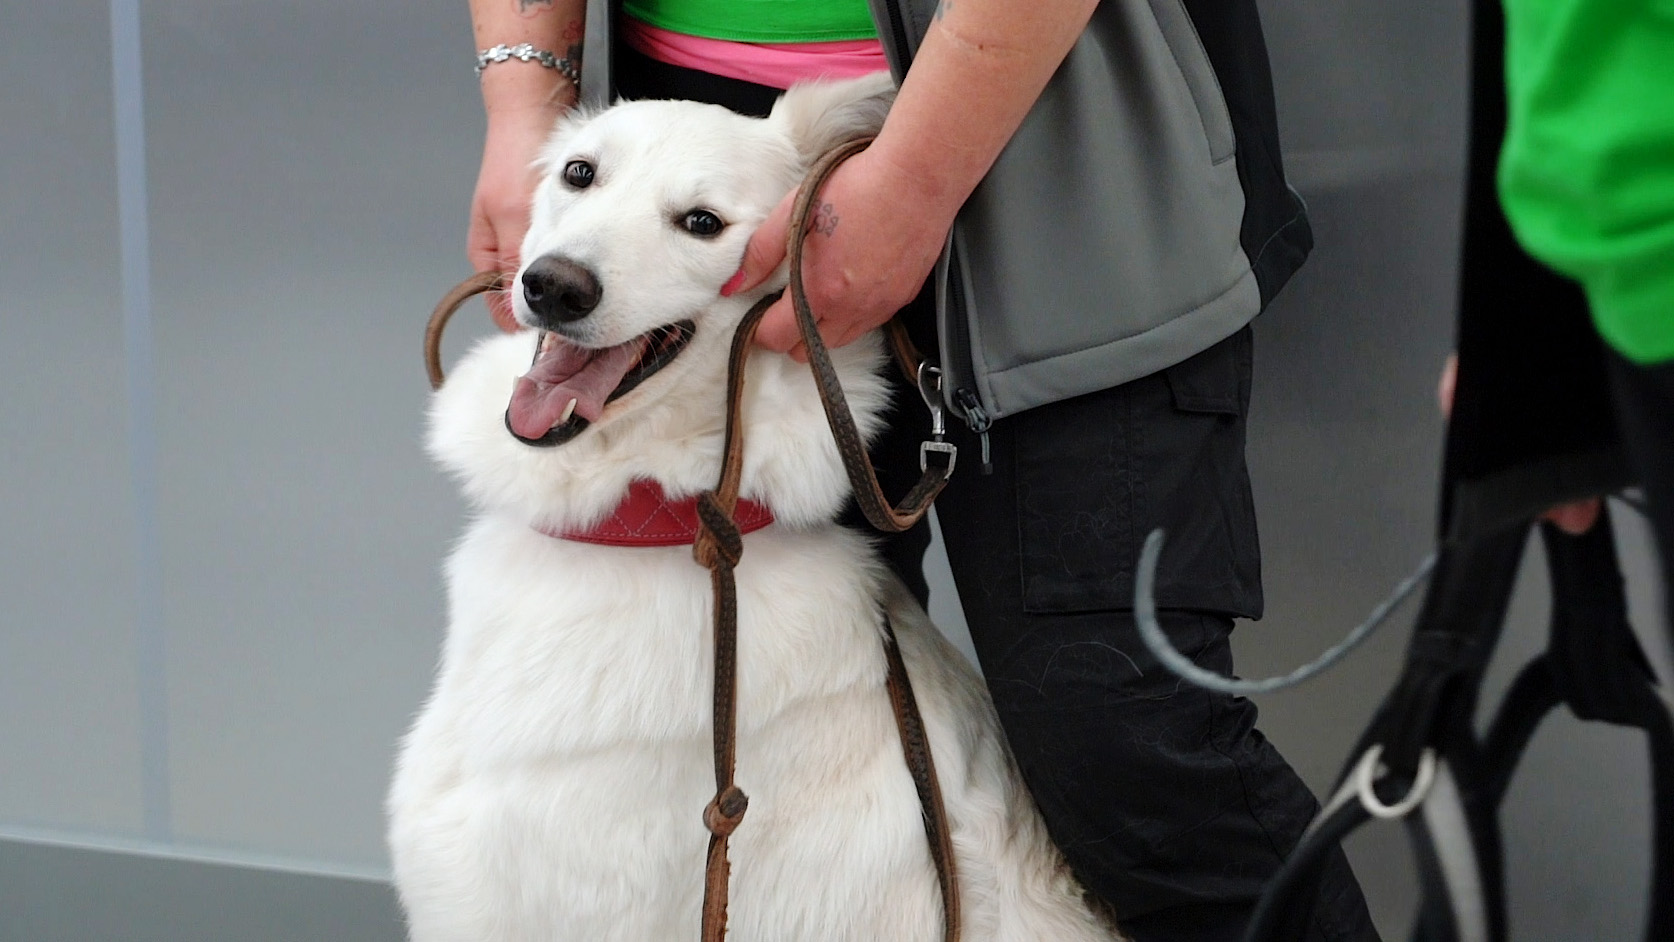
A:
x: 758, y: 21
x: 1587, y: 172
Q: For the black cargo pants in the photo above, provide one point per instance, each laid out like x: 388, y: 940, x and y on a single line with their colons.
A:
x: 1168, y: 802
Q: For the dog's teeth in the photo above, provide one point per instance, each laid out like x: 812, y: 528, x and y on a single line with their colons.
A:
x: 569, y: 410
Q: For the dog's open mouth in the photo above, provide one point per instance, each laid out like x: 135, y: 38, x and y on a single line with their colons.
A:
x: 567, y: 385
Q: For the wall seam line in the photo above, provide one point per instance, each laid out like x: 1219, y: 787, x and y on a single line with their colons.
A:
x: 150, y: 653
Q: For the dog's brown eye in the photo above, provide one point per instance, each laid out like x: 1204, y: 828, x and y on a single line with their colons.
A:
x: 578, y: 174
x: 703, y: 223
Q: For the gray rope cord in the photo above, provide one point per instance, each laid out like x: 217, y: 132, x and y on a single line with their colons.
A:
x: 1145, y: 613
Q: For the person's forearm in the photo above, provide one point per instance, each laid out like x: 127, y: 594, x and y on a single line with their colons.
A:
x: 515, y: 86
x: 981, y: 67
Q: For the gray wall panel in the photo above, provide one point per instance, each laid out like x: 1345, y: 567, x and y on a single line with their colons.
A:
x: 311, y: 167
x: 1367, y: 88
x: 69, y: 745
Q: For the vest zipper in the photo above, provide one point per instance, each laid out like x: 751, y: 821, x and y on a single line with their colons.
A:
x: 977, y: 418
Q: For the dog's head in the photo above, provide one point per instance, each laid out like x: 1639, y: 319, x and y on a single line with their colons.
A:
x: 642, y: 214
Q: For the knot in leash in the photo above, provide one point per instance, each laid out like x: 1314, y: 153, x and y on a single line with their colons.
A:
x: 719, y: 539
x: 724, y: 812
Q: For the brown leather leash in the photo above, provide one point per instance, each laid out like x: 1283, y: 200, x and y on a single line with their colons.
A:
x: 720, y: 545
x: 464, y: 291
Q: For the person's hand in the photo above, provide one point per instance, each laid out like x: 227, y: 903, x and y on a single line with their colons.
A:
x: 1574, y: 518
x: 873, y: 239
x: 523, y: 102
x: 500, y: 204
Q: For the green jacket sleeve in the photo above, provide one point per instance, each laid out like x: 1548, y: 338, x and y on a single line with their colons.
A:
x: 1587, y: 172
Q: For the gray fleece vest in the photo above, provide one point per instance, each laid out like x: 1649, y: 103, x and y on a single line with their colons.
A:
x: 1139, y: 215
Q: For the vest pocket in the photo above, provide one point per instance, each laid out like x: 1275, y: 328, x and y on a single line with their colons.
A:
x: 1216, y: 381
x: 1181, y: 38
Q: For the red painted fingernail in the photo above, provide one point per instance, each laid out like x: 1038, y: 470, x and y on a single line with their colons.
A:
x: 733, y: 284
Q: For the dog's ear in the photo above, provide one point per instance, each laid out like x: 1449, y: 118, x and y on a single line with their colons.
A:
x: 820, y: 115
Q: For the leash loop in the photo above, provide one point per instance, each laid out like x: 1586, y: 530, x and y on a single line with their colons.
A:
x: 867, y: 493
x: 451, y: 302
x: 719, y: 547
x: 1371, y: 768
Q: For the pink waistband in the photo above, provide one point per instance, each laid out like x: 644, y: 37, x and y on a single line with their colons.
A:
x: 778, y: 65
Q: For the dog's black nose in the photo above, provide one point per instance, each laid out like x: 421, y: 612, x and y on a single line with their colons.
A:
x: 559, y: 290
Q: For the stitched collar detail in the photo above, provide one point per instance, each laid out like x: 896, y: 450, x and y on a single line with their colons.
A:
x: 647, y: 517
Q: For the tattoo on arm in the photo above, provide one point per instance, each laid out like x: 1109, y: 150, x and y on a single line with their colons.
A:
x: 528, y: 8
x: 825, y: 219
x: 943, y: 7
x: 573, y: 34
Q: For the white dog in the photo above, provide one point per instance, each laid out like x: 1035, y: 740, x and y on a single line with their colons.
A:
x: 554, y: 785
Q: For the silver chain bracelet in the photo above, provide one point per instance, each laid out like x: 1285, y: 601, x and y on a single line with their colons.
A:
x: 528, y: 53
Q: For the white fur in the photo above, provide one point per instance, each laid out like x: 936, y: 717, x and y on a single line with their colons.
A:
x: 553, y: 786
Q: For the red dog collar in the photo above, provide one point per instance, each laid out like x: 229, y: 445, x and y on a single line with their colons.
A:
x: 646, y: 517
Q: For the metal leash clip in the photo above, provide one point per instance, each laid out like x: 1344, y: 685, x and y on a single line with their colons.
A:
x: 930, y: 387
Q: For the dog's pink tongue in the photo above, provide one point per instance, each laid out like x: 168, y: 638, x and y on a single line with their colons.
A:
x: 563, y: 372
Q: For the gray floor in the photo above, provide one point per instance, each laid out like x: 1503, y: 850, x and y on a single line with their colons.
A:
x: 61, y: 894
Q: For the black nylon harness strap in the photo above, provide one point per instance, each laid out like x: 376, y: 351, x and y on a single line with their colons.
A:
x: 1532, y: 426
x: 1593, y: 664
